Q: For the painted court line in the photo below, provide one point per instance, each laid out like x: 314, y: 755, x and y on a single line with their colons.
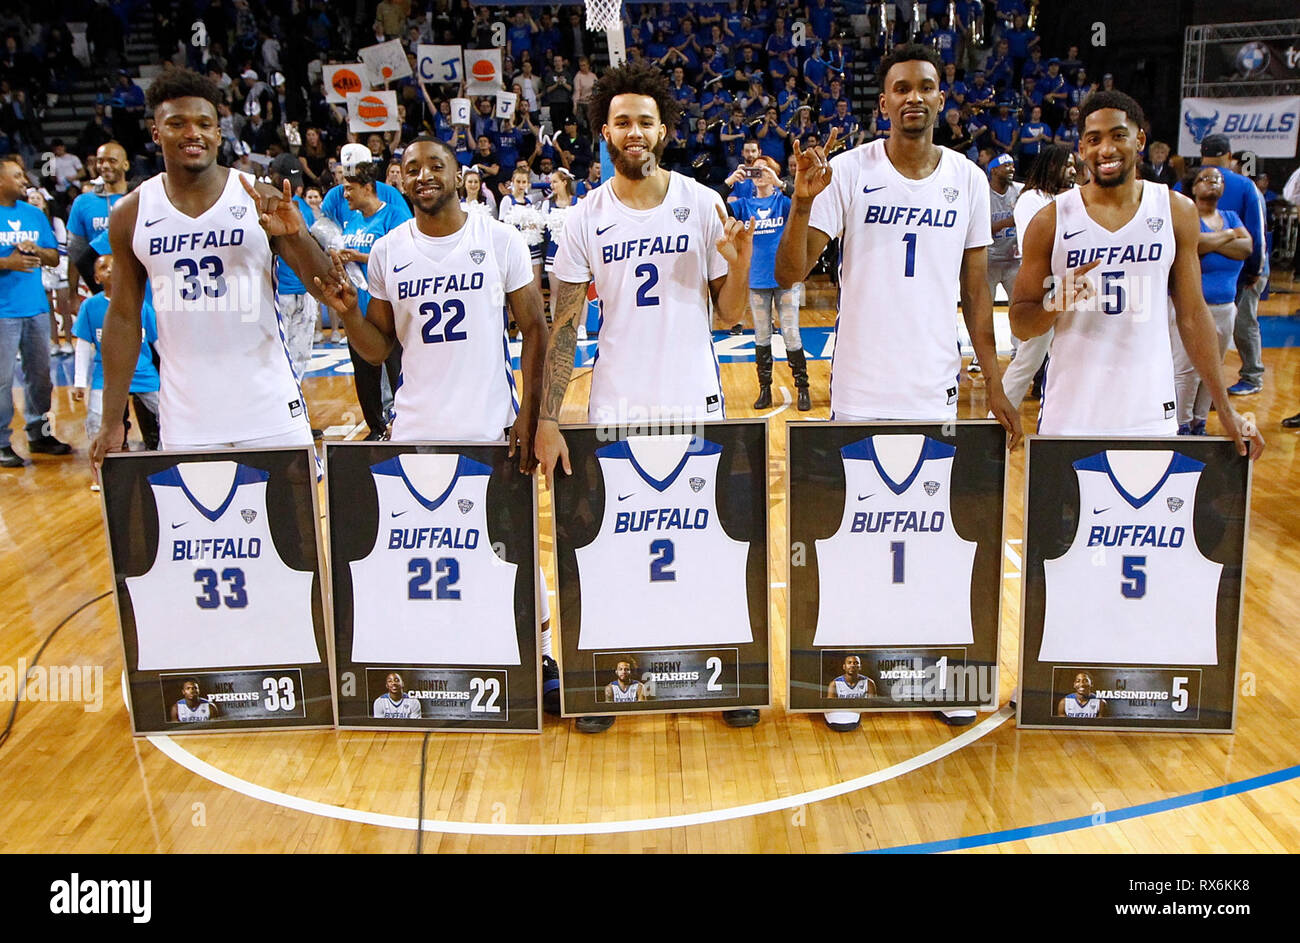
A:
x: 1091, y: 821
x: 183, y: 757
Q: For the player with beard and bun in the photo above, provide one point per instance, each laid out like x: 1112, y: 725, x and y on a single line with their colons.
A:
x: 915, y: 227
x: 203, y: 236
x: 1111, y: 369
x: 661, y: 252
x: 438, y: 286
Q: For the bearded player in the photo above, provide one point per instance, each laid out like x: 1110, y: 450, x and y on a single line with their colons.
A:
x: 202, y: 236
x: 662, y: 253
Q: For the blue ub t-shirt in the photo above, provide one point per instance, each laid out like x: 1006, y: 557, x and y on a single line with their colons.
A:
x: 89, y: 214
x: 335, y: 205
x: 22, y: 294
x: 769, y: 215
x: 360, y: 233
x: 89, y: 326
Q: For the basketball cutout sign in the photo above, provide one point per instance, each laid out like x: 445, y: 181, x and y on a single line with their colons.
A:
x: 482, y: 71
x: 372, y: 111
x: 342, y: 81
x: 385, y: 62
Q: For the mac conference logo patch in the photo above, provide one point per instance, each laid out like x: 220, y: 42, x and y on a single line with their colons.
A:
x: 249, y: 515
x: 931, y: 487
x: 1174, y: 503
x: 464, y: 504
x: 238, y: 211
x: 950, y: 193
x: 682, y: 213
x: 696, y: 484
x: 477, y: 255
x: 1155, y: 223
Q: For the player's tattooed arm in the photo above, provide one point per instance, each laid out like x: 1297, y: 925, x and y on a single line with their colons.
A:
x: 570, y: 303
x: 529, y: 312
x: 1196, y: 326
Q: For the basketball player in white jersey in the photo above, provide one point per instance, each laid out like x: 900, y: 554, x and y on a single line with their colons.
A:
x: 624, y: 688
x: 915, y: 227
x: 438, y: 284
x: 853, y: 683
x: 203, y: 235
x: 1083, y: 702
x: 1111, y: 369
x: 193, y: 708
x: 396, y: 703
x: 661, y: 251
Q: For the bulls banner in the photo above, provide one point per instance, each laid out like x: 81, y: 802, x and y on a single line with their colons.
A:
x: 895, y: 565
x: 661, y: 551
x: 1265, y: 126
x: 343, y: 80
x: 218, y: 576
x: 434, y: 587
x: 1134, y: 561
x: 385, y: 62
x: 482, y: 71
x: 373, y: 111
x: 440, y: 65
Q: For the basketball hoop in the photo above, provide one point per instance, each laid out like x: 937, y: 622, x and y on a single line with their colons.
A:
x: 607, y: 15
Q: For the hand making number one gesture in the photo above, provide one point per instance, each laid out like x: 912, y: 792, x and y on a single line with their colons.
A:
x: 812, y: 172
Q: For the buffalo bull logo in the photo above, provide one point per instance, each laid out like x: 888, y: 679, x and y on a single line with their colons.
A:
x: 1200, y: 127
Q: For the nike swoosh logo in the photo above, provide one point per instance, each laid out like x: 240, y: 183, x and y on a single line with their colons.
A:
x: 181, y: 524
x: 398, y: 513
x: 863, y: 497
x: 874, y: 189
x: 601, y: 232
x: 398, y: 268
x: 624, y: 497
x: 1071, y: 235
x: 1100, y: 510
x: 150, y: 222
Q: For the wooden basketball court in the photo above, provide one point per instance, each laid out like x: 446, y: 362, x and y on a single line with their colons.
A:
x: 75, y: 780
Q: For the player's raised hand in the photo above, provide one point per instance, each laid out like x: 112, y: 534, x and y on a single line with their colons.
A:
x: 336, y: 289
x: 275, y: 211
x: 812, y: 169
x: 737, y: 242
x: 1075, y: 291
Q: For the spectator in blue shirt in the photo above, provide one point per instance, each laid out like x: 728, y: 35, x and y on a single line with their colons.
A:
x: 980, y: 93
x: 1034, y: 134
x: 26, y: 244
x: 1055, y: 94
x: 772, y: 137
x: 519, y: 35
x: 1004, y: 128
x: 89, y: 216
x: 1067, y: 134
x: 1020, y: 39
x: 815, y: 71
x: 732, y: 137
x: 1080, y: 89
x: 780, y: 51
x: 954, y: 89
x: 998, y: 68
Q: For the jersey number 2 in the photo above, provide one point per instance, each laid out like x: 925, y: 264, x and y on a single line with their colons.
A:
x: 455, y: 312
x: 659, y: 572
x: 421, y: 570
x: 651, y: 275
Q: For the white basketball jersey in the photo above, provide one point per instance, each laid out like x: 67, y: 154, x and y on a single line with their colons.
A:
x: 662, y: 571
x: 1090, y: 708
x: 844, y: 689
x: 432, y: 591
x: 1111, y: 370
x: 896, y: 349
x: 623, y: 697
x: 218, y: 595
x: 448, y: 297
x: 226, y: 374
x: 187, y: 715
x: 896, y: 572
x: 1133, y: 588
x: 652, y: 270
x: 407, y: 708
